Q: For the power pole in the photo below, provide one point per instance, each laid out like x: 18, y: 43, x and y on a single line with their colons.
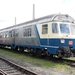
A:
x: 33, y: 11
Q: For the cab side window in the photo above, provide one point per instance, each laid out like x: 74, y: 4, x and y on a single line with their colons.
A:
x: 54, y: 28
x: 45, y: 29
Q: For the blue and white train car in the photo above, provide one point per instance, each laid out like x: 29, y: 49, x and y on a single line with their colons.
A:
x: 50, y: 35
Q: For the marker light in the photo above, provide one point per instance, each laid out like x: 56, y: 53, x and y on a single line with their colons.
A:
x: 70, y: 42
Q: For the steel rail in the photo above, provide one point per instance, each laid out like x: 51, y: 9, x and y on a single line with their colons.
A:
x: 20, y: 68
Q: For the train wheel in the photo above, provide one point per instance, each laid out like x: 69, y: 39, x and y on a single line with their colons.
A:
x: 38, y: 52
x: 21, y: 49
x: 16, y: 49
x: 59, y: 54
x: 60, y: 58
x: 51, y: 56
x: 33, y: 52
x: 47, y: 53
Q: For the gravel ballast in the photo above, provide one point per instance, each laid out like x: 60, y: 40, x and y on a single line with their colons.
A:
x: 38, y: 68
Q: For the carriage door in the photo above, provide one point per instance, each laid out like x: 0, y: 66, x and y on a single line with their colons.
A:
x: 45, y: 37
x: 13, y: 36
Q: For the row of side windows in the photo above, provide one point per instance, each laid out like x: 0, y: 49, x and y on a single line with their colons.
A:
x: 54, y: 28
x: 4, y: 35
x: 27, y: 32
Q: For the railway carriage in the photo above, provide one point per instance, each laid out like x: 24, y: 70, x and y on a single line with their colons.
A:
x: 50, y: 35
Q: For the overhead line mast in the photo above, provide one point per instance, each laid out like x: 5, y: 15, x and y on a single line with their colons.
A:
x: 33, y: 11
x: 15, y: 20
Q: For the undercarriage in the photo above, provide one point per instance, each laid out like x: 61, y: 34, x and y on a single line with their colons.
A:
x: 65, y: 52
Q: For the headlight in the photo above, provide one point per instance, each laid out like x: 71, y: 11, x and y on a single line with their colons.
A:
x: 62, y: 41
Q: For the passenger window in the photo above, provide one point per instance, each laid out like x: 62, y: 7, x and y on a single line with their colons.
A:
x: 54, y: 28
x: 10, y: 33
x: 6, y: 34
x: 16, y: 33
x: 44, y: 29
x: 0, y: 35
x: 27, y: 32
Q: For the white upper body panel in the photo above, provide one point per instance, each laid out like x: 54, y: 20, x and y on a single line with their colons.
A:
x: 59, y: 34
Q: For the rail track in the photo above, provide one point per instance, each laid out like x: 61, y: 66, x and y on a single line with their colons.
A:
x: 53, y: 59
x: 10, y: 68
x: 70, y: 62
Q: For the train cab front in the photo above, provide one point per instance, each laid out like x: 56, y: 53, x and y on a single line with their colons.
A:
x: 66, y: 40
x: 68, y: 49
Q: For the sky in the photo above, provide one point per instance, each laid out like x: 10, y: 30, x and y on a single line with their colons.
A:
x: 23, y: 10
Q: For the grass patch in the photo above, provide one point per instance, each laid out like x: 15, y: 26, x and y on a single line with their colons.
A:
x: 62, y: 67
x: 33, y: 60
x: 49, y: 64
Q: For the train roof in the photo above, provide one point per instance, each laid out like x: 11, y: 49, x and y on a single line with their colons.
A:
x: 53, y: 17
